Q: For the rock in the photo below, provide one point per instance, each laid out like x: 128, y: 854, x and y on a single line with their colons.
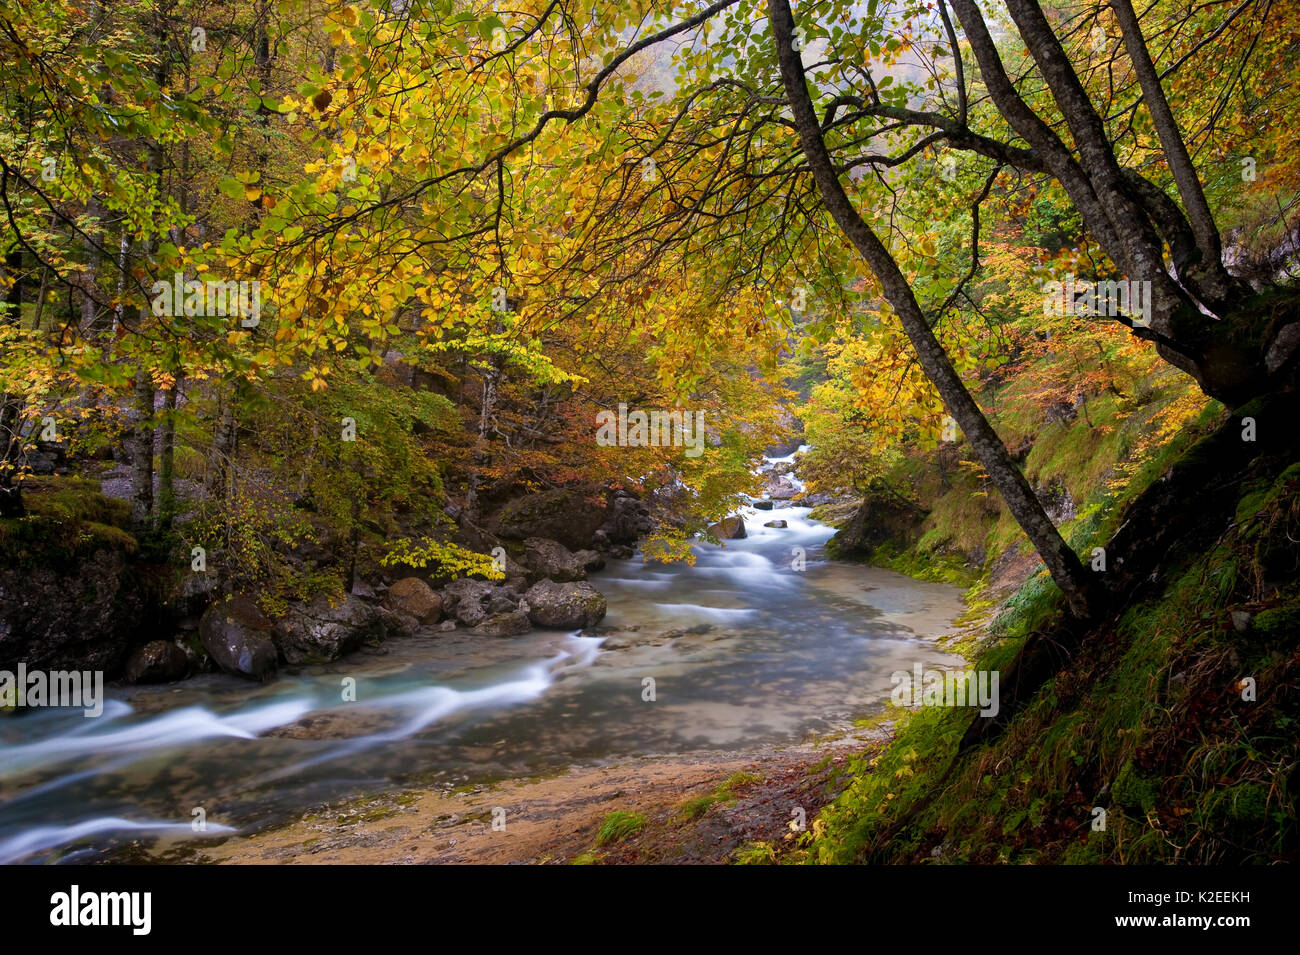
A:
x: 63, y: 614
x: 779, y: 487
x: 412, y: 596
x: 322, y: 631
x: 1241, y: 620
x: 568, y: 515
x: 551, y: 559
x: 776, y: 524
x: 399, y: 624
x: 622, y: 552
x: 880, y: 519
x: 820, y: 499
x: 447, y: 626
x: 504, y: 625
x: 627, y: 519
x: 158, y: 661
x: 729, y: 528
x: 363, y: 590
x: 473, y: 601
x: 197, y: 591
x: 567, y: 606
x: 237, y: 637
x: 590, y: 559
x: 762, y: 505
x: 465, y: 598
x: 785, y: 448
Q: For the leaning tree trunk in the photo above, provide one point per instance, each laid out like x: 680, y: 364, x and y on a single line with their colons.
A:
x: 1062, y: 563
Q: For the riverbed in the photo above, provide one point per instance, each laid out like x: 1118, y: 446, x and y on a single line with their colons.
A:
x: 762, y: 642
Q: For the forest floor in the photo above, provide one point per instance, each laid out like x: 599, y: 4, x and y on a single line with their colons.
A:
x: 706, y: 808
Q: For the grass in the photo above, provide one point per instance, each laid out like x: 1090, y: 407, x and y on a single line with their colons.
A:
x: 1148, y: 723
x: 617, y: 826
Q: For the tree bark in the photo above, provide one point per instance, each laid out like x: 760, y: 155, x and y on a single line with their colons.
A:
x: 167, y: 457
x: 1062, y: 563
x: 1213, y: 283
x: 142, y: 440
x: 11, y: 406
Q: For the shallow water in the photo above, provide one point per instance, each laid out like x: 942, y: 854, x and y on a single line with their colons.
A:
x: 761, y: 642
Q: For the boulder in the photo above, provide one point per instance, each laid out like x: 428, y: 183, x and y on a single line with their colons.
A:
x: 762, y: 505
x: 399, y: 624
x: 508, y: 624
x: 567, y: 606
x: 729, y: 528
x: 590, y: 559
x: 784, y: 448
x: 413, y: 597
x: 322, y: 631
x: 779, y: 487
x: 776, y: 524
x: 158, y: 661
x: 551, y: 559
x: 237, y: 636
x: 568, y: 515
x: 627, y: 519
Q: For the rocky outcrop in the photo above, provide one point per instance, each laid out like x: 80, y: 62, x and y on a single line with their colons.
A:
x: 729, y: 528
x: 83, y: 615
x: 568, y: 515
x: 238, y: 638
x: 879, y: 519
x: 158, y: 661
x: 551, y: 559
x: 566, y: 606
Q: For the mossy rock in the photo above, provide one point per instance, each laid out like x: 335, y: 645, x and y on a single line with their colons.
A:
x: 1278, y: 621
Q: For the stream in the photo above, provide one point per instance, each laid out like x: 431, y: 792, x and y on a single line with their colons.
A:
x: 762, y: 642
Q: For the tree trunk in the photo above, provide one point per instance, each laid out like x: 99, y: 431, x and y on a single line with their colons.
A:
x: 1213, y: 283
x: 220, y: 464
x: 167, y: 457
x: 1062, y: 563
x: 482, y: 453
x: 11, y: 406
x: 142, y: 452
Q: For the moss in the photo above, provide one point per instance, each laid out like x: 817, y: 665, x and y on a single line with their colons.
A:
x: 1278, y: 620
x: 1134, y: 791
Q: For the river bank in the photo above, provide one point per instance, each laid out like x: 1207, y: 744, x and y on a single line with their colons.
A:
x: 707, y: 808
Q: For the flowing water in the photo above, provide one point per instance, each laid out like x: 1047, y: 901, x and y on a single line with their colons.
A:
x: 761, y: 642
